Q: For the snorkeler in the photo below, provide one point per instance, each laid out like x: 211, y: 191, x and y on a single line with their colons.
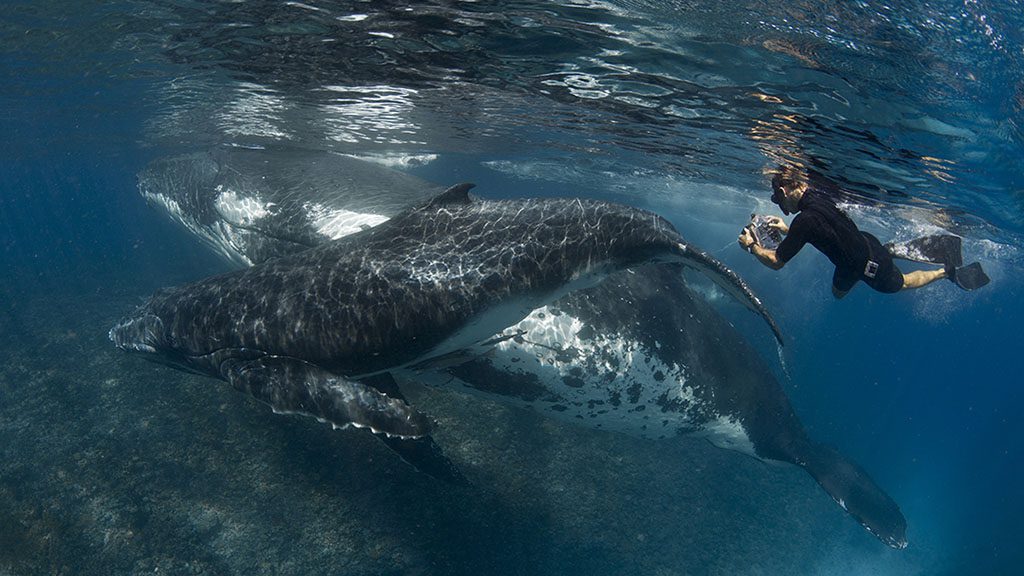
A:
x: 857, y: 256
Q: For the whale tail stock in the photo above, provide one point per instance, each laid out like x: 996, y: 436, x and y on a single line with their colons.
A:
x: 855, y: 491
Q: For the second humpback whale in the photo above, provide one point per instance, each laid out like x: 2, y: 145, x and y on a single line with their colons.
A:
x: 640, y: 353
x: 249, y: 205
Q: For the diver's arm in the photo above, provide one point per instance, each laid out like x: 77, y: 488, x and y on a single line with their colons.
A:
x: 765, y: 256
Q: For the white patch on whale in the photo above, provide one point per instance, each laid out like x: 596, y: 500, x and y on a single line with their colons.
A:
x: 472, y: 338
x: 239, y: 209
x: 613, y: 367
x: 335, y: 222
x: 727, y: 432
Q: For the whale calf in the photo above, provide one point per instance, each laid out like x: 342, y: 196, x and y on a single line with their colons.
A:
x: 639, y: 353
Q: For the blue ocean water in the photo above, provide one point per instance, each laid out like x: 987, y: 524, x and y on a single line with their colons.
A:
x: 913, y: 109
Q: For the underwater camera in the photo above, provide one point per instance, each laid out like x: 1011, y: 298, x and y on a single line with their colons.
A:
x: 765, y: 236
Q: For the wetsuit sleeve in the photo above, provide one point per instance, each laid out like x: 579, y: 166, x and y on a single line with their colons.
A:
x: 798, y: 236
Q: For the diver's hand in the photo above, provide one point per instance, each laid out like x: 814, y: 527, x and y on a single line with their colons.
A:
x: 778, y: 224
x: 746, y: 239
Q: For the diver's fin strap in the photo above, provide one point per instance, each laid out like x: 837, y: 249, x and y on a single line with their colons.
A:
x: 293, y: 386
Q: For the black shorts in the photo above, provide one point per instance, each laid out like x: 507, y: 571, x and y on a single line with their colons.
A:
x: 888, y: 278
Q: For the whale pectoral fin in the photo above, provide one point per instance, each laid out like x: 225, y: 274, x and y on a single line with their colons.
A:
x: 293, y: 386
x: 729, y: 281
x: 423, y: 453
x: 857, y: 493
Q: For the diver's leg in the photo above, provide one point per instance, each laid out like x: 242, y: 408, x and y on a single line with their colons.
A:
x: 842, y: 282
x: 919, y: 278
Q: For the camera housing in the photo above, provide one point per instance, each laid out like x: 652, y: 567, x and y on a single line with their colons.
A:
x: 764, y: 235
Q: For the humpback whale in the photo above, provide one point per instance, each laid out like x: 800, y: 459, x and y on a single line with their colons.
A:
x: 639, y: 353
x: 249, y: 205
x: 642, y: 354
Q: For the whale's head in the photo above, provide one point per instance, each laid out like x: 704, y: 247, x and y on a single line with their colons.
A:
x: 190, y: 190
x: 143, y: 334
x: 140, y: 334
x: 184, y: 187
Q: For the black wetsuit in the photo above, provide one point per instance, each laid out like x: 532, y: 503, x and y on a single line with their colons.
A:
x: 828, y: 229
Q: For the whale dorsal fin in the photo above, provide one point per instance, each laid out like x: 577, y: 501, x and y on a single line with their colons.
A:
x: 458, y: 194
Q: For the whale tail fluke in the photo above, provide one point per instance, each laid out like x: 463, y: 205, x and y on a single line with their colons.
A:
x: 852, y: 488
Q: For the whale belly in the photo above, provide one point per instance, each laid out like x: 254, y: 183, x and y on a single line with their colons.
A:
x: 558, y: 366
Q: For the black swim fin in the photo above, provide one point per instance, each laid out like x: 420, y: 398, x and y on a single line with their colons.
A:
x: 970, y: 277
x: 938, y: 249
